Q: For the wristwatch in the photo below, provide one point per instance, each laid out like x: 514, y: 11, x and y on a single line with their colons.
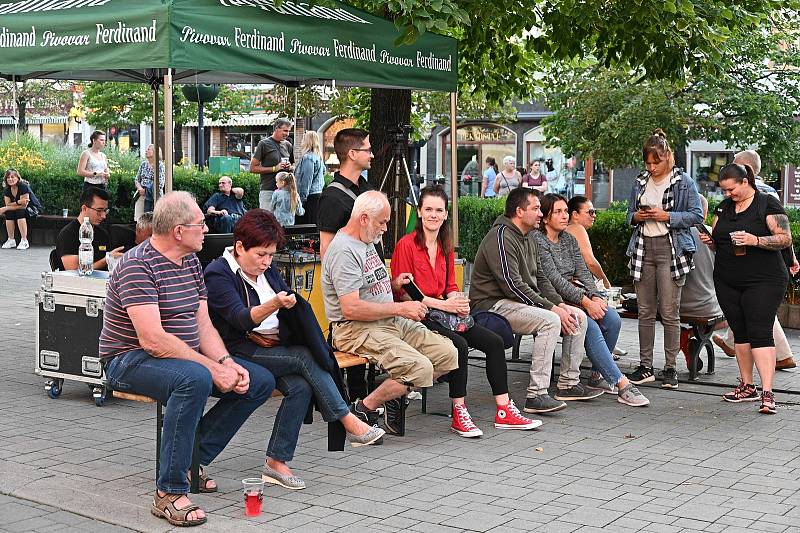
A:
x: 224, y: 358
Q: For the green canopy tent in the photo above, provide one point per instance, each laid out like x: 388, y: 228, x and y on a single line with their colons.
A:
x: 163, y: 42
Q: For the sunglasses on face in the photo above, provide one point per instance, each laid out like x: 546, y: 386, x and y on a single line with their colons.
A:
x: 591, y: 212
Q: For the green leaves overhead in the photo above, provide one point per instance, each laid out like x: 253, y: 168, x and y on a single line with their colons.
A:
x: 751, y: 98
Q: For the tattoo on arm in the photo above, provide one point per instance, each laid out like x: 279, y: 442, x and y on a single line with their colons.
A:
x: 781, y: 233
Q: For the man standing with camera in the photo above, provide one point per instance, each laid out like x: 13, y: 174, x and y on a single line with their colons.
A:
x: 273, y: 154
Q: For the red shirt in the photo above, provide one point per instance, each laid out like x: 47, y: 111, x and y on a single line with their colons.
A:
x: 408, y: 257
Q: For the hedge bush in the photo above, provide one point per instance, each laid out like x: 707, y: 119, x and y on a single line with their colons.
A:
x: 51, y: 172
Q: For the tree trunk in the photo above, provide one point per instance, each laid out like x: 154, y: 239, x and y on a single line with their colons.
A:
x: 22, y: 104
x: 390, y: 109
x: 178, y: 142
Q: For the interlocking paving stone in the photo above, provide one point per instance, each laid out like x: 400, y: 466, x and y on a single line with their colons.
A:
x: 688, y: 462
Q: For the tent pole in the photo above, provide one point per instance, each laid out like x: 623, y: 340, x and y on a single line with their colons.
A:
x: 156, y: 146
x: 169, y: 130
x: 14, y: 105
x: 453, y: 171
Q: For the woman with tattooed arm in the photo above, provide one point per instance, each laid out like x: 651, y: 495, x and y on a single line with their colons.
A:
x: 750, y: 229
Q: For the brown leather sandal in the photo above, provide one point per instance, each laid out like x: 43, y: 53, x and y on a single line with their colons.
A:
x: 164, y: 507
x: 203, y: 480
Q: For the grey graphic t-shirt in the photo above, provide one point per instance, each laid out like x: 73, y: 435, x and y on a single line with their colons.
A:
x: 351, y: 265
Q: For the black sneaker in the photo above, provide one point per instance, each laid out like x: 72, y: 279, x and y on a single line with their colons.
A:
x: 669, y: 379
x: 578, y: 392
x: 641, y: 375
x: 394, y: 416
x: 360, y: 410
x: 543, y: 404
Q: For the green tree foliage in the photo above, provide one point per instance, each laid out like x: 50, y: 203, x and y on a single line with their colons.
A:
x: 750, y: 100
x: 47, y: 97
x: 114, y: 103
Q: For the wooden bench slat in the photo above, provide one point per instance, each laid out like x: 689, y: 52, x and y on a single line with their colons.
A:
x: 131, y: 396
x: 346, y: 360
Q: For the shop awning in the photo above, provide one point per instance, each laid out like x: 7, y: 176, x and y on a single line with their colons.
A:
x: 255, y: 119
x: 216, y: 41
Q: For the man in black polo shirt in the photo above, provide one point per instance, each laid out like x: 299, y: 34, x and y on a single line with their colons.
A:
x: 94, y: 206
x: 335, y: 205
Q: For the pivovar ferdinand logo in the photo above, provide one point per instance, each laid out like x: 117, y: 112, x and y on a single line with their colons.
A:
x: 34, y: 6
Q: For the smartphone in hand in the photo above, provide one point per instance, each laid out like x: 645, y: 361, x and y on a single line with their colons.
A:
x: 413, y: 291
x: 702, y: 228
x: 644, y: 207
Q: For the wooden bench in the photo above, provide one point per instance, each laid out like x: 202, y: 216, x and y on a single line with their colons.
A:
x: 41, y: 230
x: 343, y: 359
x: 701, y: 329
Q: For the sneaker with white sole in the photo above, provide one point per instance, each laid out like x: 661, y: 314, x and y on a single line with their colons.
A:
x: 630, y: 395
x: 23, y: 245
x: 10, y: 243
x: 577, y: 392
x: 543, y: 403
x: 370, y: 437
x: 509, y: 417
x: 641, y: 375
x: 596, y: 382
x: 462, y: 422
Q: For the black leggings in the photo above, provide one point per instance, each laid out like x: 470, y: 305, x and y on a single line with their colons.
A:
x: 750, y: 309
x: 484, y: 340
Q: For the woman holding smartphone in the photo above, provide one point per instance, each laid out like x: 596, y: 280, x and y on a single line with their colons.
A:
x: 664, y: 205
x: 427, y: 254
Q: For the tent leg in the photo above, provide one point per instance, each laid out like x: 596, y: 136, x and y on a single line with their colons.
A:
x: 169, y: 131
x: 156, y: 146
x: 453, y: 170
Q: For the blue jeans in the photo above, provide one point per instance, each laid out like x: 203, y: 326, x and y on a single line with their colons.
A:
x: 224, y: 223
x: 298, y: 377
x: 183, y: 387
x: 601, y: 337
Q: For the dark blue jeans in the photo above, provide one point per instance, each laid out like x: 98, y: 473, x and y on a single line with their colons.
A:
x: 183, y: 387
x: 224, y: 223
x: 299, y: 377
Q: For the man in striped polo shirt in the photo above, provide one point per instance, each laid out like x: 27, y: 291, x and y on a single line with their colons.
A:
x: 158, y: 340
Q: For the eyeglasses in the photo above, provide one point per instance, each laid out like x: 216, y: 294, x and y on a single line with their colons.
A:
x: 201, y: 225
x: 592, y: 212
x: 362, y: 149
x: 100, y: 211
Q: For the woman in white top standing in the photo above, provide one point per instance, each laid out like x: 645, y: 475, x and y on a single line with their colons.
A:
x: 93, y: 164
x: 509, y: 178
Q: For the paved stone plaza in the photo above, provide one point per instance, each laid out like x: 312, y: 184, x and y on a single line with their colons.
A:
x: 689, y: 462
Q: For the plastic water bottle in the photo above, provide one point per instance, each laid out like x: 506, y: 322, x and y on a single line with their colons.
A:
x: 85, y: 251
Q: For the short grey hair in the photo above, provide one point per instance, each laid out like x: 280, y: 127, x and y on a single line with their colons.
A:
x: 173, y: 209
x: 370, y: 203
x: 750, y: 157
x: 226, y: 178
x: 509, y: 159
x: 145, y: 222
x: 281, y: 122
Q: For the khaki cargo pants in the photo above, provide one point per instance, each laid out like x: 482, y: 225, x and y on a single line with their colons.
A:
x: 408, y: 351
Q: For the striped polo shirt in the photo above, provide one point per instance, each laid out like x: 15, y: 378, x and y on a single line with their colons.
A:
x: 143, y: 277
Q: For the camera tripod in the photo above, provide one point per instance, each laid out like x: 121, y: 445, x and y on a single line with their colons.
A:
x: 400, y: 165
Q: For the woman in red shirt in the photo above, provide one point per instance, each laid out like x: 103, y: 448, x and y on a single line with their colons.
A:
x: 427, y: 254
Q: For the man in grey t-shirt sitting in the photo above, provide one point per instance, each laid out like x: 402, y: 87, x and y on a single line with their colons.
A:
x: 366, y: 320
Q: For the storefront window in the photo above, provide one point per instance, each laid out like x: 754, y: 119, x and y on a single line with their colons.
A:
x: 475, y: 142
x: 705, y: 170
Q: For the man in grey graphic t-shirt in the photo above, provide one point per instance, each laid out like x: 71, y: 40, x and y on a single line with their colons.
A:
x: 365, y: 319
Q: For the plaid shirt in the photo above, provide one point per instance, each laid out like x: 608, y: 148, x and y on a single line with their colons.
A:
x: 680, y: 265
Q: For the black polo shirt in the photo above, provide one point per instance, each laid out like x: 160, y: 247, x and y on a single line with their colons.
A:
x: 336, y: 205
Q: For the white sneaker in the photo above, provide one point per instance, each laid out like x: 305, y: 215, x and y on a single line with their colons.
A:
x: 23, y: 245
x: 10, y: 243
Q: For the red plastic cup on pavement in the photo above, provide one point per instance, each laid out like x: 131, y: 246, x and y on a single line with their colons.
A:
x: 253, y: 496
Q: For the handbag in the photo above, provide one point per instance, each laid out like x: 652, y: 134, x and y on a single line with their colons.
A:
x: 496, y: 323
x: 262, y: 340
x: 450, y: 321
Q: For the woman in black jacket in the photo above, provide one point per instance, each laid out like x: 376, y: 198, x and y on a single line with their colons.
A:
x: 251, y: 307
